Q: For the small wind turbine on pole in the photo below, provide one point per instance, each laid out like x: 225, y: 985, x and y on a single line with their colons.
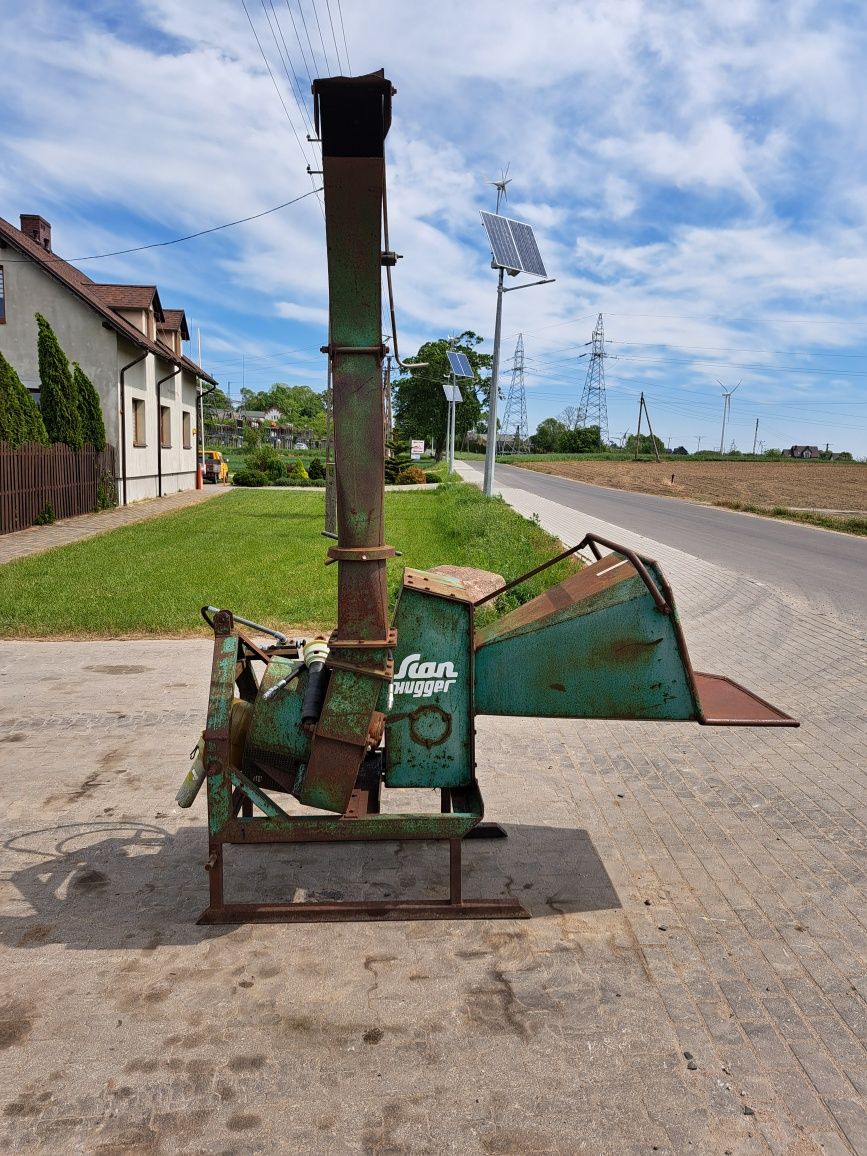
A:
x: 727, y: 401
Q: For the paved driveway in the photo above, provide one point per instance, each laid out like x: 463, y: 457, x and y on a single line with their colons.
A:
x: 694, y: 890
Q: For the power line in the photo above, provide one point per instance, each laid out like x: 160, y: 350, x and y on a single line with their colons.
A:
x: 725, y: 349
x: 334, y: 38
x: 279, y: 93
x: 343, y: 32
x: 300, y: 45
x: 321, y: 37
x: 759, y: 367
x: 201, y: 233
x: 287, y: 65
x: 307, y: 34
x: 756, y: 367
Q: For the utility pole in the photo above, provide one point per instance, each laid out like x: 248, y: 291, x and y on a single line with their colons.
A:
x: 756, y: 436
x: 593, y: 409
x: 450, y: 424
x: 642, y: 406
x: 491, y: 445
x: 516, y: 403
x: 200, y: 471
x: 698, y: 438
x: 727, y: 398
x: 386, y: 382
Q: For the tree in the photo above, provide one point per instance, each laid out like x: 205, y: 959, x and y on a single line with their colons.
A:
x: 89, y: 409
x: 20, y: 420
x: 252, y: 438
x: 215, y: 399
x: 548, y: 436
x: 569, y: 417
x: 583, y: 440
x: 646, y: 444
x: 420, y: 405
x: 58, y: 399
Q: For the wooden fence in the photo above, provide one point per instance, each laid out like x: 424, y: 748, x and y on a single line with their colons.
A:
x: 33, y: 477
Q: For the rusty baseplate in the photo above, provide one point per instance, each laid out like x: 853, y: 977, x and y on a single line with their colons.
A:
x: 346, y: 911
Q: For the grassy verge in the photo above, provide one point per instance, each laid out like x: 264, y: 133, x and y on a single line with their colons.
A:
x: 258, y: 552
x: 847, y: 525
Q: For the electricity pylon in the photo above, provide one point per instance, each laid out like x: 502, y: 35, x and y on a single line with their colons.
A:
x: 514, y: 434
x: 593, y: 409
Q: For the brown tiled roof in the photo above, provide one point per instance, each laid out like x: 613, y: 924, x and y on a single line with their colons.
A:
x: 130, y: 297
x: 85, y: 289
x: 175, y: 319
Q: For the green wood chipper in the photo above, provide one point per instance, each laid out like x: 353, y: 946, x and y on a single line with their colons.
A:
x: 391, y: 704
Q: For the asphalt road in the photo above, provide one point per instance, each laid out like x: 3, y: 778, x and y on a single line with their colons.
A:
x: 824, y: 568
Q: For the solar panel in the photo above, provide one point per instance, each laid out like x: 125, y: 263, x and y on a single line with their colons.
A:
x: 460, y: 364
x: 528, y: 250
x: 500, y: 236
x: 452, y: 392
x: 513, y: 245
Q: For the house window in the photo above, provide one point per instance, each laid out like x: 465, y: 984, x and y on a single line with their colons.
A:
x: 186, y: 422
x: 165, y: 427
x: 138, y: 422
x: 2, y: 297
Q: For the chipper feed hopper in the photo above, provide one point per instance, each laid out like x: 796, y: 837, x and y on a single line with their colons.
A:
x: 325, y: 726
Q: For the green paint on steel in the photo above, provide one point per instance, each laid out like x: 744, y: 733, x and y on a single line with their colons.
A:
x: 610, y: 655
x: 219, y: 803
x: 429, y: 739
x: 276, y: 723
x: 266, y: 805
x: 220, y: 700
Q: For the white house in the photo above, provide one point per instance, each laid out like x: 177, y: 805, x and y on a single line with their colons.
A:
x: 127, y: 344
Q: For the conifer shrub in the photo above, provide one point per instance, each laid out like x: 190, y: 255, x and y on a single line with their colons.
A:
x: 89, y: 409
x: 250, y: 478
x: 58, y: 398
x: 411, y: 476
x: 20, y: 419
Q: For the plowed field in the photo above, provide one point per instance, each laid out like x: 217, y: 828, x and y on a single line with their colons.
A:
x: 793, y: 484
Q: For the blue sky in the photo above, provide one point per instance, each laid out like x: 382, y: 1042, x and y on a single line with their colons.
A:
x: 694, y: 171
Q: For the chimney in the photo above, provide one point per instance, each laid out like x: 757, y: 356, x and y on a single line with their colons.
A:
x: 37, y: 229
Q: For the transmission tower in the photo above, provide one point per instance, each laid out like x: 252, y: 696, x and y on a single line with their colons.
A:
x: 514, y: 434
x: 593, y: 409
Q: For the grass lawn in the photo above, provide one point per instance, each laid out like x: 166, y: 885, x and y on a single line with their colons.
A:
x: 257, y: 552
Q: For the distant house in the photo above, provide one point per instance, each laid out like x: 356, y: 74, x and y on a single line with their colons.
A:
x: 125, y: 341
x: 802, y: 452
x: 226, y: 427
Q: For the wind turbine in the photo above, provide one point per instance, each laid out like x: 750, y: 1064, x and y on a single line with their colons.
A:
x: 500, y: 185
x: 727, y: 401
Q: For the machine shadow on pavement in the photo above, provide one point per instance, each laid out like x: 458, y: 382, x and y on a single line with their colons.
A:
x: 115, y: 885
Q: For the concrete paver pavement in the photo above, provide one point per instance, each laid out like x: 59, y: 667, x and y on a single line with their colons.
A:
x: 37, y: 539
x: 694, y: 890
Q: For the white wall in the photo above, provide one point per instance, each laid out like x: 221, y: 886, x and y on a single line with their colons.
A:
x: 101, y: 353
x: 79, y: 330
